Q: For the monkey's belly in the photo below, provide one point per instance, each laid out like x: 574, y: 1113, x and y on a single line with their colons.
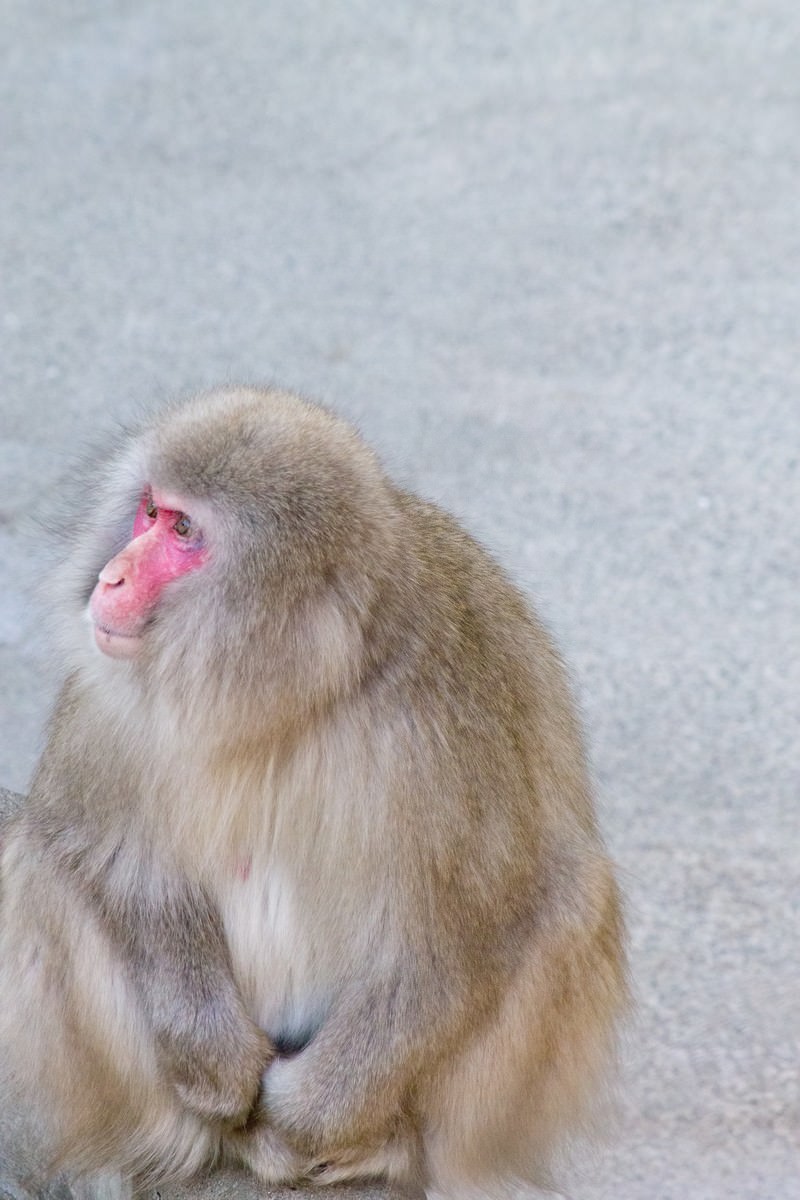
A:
x: 284, y: 983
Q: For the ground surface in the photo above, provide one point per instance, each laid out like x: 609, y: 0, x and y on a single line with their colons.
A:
x: 547, y: 255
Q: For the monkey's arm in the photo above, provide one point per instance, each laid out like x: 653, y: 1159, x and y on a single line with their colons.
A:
x: 83, y: 823
x: 175, y: 951
x: 353, y: 1081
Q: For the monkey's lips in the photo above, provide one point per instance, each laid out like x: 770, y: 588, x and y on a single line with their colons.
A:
x: 115, y: 642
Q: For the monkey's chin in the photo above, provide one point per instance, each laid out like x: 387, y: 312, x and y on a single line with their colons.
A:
x: 116, y: 645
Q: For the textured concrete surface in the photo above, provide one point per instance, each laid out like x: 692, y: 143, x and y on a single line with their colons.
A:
x: 235, y: 1185
x: 547, y: 255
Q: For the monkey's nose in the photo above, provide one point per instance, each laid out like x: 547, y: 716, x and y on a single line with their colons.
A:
x: 113, y: 573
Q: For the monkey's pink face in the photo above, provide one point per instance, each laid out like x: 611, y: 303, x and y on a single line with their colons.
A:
x: 166, y: 544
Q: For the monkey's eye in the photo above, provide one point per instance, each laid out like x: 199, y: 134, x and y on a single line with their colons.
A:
x: 184, y: 527
x: 150, y: 508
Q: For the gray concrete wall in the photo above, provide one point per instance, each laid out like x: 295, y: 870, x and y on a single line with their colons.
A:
x: 547, y: 255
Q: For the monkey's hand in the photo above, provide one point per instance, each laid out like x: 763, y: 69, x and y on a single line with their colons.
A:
x: 216, y: 1066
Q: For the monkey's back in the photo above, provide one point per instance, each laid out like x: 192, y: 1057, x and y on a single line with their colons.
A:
x: 506, y: 812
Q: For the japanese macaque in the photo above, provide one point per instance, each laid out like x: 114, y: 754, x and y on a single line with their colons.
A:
x: 309, y: 878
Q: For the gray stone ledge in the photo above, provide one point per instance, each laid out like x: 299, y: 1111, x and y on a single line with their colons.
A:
x: 238, y: 1185
x: 9, y: 803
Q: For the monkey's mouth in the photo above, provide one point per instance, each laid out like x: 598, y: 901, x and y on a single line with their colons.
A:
x: 115, y: 642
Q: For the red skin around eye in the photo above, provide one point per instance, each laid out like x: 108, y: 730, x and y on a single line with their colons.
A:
x: 130, y: 585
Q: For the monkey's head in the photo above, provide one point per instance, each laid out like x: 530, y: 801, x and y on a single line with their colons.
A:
x: 244, y: 536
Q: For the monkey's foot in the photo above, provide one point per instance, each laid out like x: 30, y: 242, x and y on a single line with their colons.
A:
x: 272, y: 1160
x: 396, y: 1160
x: 265, y: 1152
